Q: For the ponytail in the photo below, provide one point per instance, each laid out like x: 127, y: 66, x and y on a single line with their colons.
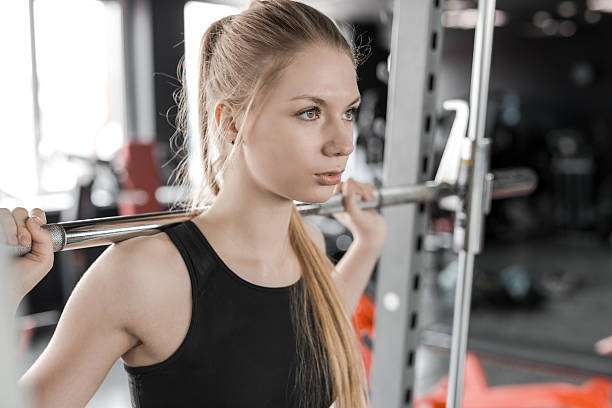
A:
x: 207, y: 136
x: 207, y: 47
x: 327, y: 346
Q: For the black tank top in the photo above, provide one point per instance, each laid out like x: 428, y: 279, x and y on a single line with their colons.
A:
x: 240, y: 348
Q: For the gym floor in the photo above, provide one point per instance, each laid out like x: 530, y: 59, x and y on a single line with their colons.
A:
x: 568, y: 324
x: 563, y: 327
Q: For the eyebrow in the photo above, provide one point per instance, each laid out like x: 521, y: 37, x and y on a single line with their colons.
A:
x: 320, y: 101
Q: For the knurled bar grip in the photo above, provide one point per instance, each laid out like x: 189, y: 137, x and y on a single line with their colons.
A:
x: 58, y: 237
x: 109, y: 230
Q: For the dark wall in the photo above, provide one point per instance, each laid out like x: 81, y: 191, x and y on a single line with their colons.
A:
x: 539, y: 70
x: 168, y: 49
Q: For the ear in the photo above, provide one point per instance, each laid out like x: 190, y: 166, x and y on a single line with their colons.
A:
x: 226, y: 120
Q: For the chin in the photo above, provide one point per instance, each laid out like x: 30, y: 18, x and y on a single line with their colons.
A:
x: 318, y: 195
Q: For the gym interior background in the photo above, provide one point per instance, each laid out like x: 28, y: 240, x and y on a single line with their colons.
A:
x: 87, y: 115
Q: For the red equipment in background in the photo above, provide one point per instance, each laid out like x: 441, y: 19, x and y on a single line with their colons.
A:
x: 139, y: 179
x: 363, y: 323
x: 595, y: 393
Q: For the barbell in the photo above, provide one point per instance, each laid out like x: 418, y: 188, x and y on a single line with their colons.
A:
x: 105, y: 231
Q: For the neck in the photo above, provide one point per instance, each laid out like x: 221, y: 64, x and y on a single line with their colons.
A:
x: 254, y: 219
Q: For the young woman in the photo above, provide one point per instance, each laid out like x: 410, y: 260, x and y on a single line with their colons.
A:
x: 238, y: 307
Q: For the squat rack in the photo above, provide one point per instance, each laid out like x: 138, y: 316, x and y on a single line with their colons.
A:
x: 415, y: 55
x: 416, y: 43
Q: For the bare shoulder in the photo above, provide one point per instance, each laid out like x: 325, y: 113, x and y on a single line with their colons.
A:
x: 152, y: 270
x: 145, y: 255
x: 315, y: 234
x: 125, y: 269
x: 151, y: 290
x: 137, y: 265
x: 151, y: 273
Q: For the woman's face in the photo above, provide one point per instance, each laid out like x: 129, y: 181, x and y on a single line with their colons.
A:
x: 304, y: 127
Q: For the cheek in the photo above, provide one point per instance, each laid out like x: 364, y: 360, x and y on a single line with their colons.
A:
x: 283, y: 156
x: 285, y: 147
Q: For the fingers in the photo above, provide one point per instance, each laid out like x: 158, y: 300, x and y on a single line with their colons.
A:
x: 8, y: 226
x: 349, y: 192
x: 369, y: 189
x: 351, y: 189
x: 37, y: 212
x: 41, y: 237
x: 42, y: 246
x: 23, y: 229
x: 364, y: 190
x: 20, y: 215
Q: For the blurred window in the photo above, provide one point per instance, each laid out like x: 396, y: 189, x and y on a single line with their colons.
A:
x: 198, y: 17
x: 66, y: 92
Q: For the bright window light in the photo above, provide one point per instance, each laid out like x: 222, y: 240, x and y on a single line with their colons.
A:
x: 78, y: 67
x: 198, y: 17
x: 18, y: 173
x: 80, y: 100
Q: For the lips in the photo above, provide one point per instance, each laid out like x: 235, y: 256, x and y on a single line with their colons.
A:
x: 332, y: 172
x: 330, y: 177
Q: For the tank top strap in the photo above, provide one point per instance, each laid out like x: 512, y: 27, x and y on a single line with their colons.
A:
x: 196, y: 255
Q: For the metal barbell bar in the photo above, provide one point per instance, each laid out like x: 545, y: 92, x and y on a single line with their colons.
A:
x: 105, y: 231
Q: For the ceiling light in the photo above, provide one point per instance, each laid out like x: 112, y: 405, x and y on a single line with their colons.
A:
x: 540, y: 17
x: 592, y: 17
x: 466, y: 19
x: 567, y: 28
x: 457, y: 5
x: 550, y: 27
x: 567, y: 9
x: 600, y: 5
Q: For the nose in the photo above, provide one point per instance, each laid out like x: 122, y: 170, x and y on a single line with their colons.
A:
x: 339, y: 141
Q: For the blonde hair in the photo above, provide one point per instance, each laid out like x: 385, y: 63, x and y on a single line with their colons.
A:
x: 240, y: 56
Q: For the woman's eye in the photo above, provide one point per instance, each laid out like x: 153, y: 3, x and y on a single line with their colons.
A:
x: 310, y: 114
x: 349, y: 114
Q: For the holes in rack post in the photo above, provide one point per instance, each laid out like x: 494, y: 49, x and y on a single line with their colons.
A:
x: 410, y: 360
x: 408, y: 396
x: 416, y: 282
x: 413, y: 321
x: 427, y: 126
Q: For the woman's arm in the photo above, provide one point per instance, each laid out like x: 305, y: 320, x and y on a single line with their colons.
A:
x: 353, y: 271
x: 369, y: 231
x: 92, y: 333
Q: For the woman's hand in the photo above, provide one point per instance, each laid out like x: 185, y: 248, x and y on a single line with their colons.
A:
x: 19, y: 227
x: 367, y: 226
